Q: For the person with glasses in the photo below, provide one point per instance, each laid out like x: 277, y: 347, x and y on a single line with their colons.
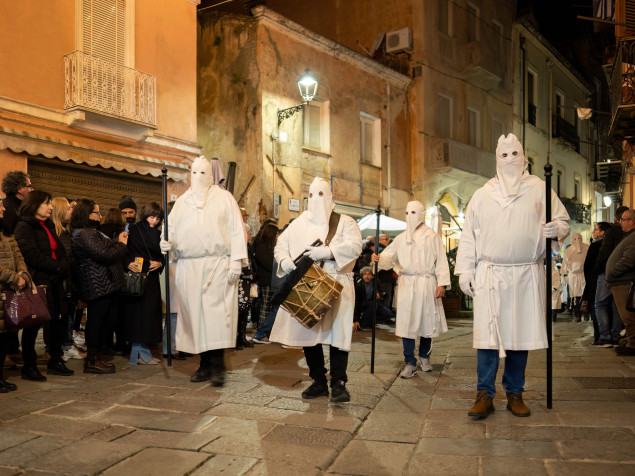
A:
x: 620, y: 273
x: 100, y: 277
x: 609, y: 322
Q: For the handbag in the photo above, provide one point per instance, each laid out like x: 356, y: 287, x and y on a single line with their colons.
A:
x: 630, y: 300
x: 135, y: 282
x: 26, y: 308
x: 584, y: 306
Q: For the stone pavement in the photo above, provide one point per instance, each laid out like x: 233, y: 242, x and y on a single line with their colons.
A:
x: 152, y: 420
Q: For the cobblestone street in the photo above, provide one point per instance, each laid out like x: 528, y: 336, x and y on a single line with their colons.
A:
x: 152, y: 420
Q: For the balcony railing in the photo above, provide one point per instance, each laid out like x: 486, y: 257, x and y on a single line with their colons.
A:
x: 104, y: 87
x: 565, y: 130
x: 577, y: 211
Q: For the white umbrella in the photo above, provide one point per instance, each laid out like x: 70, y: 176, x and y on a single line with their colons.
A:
x: 389, y: 226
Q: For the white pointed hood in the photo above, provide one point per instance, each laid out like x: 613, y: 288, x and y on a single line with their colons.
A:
x: 415, y: 215
x: 510, y: 164
x: 201, y: 179
x: 576, y: 240
x: 320, y: 202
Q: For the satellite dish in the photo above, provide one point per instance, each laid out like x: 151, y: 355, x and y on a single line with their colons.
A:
x: 377, y: 43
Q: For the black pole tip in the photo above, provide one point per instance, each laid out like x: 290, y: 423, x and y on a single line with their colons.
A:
x: 164, y: 171
x: 548, y: 167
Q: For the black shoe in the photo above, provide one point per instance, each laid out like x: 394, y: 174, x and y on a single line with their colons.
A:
x: 246, y: 343
x: 9, y: 386
x: 339, y: 392
x: 217, y: 378
x: 201, y: 375
x: 32, y: 373
x: 316, y: 389
x: 177, y: 356
x: 58, y: 368
x: 626, y: 350
x: 186, y: 354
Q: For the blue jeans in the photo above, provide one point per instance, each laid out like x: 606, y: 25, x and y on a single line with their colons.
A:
x: 514, y: 376
x: 425, y: 346
x: 264, y: 330
x: 139, y: 351
x: 609, y: 326
x: 172, y: 335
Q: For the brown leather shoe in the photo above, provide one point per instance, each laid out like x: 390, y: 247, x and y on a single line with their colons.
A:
x: 483, y: 406
x: 98, y: 367
x: 516, y: 405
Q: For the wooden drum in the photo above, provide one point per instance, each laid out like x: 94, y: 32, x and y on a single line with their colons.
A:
x: 313, y: 296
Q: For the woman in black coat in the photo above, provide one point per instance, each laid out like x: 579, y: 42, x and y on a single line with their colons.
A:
x: 144, y: 313
x: 100, y: 277
x: 48, y: 265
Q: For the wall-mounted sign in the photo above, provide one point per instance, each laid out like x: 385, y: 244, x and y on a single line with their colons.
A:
x: 294, y: 204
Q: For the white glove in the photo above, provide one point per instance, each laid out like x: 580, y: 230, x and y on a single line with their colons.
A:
x: 318, y: 253
x: 550, y: 230
x: 233, y: 273
x: 287, y: 265
x: 465, y: 283
x: 166, y: 246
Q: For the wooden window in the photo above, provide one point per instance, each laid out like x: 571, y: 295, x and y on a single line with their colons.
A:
x: 316, y: 125
x: 472, y: 13
x: 444, y: 117
x: 370, y: 140
x: 473, y: 127
x: 104, y: 29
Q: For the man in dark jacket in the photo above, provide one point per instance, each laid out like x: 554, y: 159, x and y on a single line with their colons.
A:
x: 590, y: 277
x: 620, y: 273
x: 609, y: 323
x: 364, y: 300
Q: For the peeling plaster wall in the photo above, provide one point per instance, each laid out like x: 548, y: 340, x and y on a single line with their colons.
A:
x: 229, y: 119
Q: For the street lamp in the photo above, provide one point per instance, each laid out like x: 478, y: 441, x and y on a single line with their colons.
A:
x: 607, y: 201
x: 308, y: 86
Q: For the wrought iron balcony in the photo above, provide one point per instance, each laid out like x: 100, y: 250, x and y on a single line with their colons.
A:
x: 566, y: 131
x: 623, y: 90
x: 104, y: 87
x: 577, y: 211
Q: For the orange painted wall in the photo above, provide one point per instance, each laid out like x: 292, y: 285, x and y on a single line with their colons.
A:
x: 166, y: 47
x: 34, y: 37
x: 11, y: 161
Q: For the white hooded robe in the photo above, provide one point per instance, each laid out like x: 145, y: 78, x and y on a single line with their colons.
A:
x: 573, y: 265
x: 422, y: 266
x: 502, y: 245
x: 206, y: 239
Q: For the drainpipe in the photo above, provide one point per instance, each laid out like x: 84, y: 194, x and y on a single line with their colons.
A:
x: 388, y: 151
x: 522, y: 47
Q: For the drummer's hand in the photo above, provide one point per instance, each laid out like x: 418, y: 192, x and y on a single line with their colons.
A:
x: 318, y: 253
x: 287, y: 265
x: 355, y: 326
x: 440, y: 292
x: 374, y: 258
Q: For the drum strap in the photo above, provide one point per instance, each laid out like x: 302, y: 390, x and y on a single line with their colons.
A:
x: 334, y: 220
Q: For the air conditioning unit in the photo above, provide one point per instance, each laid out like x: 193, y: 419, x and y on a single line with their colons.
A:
x: 399, y: 40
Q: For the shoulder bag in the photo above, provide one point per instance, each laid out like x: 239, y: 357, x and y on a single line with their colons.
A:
x: 25, y: 308
x: 135, y: 282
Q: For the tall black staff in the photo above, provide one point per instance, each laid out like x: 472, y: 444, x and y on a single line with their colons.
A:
x: 548, y: 170
x: 168, y: 322
x: 375, y: 290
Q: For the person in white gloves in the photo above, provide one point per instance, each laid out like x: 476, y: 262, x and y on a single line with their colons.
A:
x: 207, y: 239
x: 419, y: 256
x: 336, y: 327
x: 500, y: 263
x: 573, y: 268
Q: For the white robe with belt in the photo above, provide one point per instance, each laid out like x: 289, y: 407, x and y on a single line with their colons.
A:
x: 573, y: 267
x: 422, y: 267
x: 336, y: 327
x: 502, y: 244
x: 206, y: 239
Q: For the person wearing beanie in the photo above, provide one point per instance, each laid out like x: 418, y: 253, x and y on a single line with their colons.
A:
x: 128, y: 207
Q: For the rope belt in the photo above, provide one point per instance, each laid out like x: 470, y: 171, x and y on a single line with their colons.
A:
x: 494, y: 330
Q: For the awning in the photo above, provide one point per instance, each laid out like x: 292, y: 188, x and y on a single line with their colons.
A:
x: 387, y: 225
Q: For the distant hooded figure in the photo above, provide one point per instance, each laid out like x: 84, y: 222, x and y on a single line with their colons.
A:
x: 573, y: 265
x: 500, y: 262
x: 336, y: 327
x: 208, y: 240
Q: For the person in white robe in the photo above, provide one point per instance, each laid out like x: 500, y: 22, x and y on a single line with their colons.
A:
x: 556, y: 291
x: 500, y: 263
x: 336, y: 327
x: 207, y: 238
x: 419, y: 256
x: 573, y: 268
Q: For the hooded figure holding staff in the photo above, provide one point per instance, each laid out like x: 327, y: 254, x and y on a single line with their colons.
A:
x: 207, y: 240
x: 418, y: 255
x: 500, y: 264
x: 336, y: 327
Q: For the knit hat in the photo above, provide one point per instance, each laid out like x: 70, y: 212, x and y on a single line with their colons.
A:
x: 127, y: 202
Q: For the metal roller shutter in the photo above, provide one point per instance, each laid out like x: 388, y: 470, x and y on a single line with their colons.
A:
x: 105, y: 186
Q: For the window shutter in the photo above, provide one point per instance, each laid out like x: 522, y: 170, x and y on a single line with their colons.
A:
x: 104, y: 23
